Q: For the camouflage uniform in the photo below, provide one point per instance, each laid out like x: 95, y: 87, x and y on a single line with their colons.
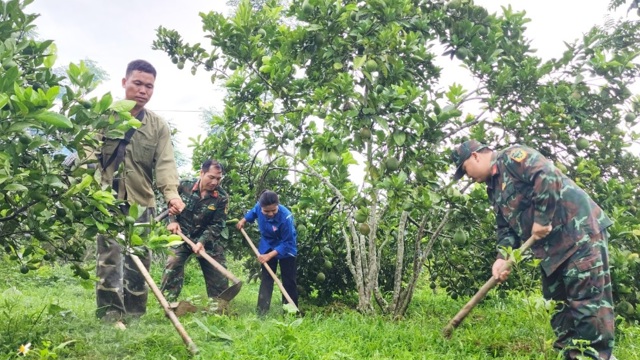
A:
x: 525, y: 187
x: 202, y: 221
x: 122, y: 288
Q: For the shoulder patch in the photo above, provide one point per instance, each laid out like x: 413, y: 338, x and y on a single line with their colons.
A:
x: 518, y: 155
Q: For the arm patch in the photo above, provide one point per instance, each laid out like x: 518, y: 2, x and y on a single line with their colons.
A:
x: 518, y: 155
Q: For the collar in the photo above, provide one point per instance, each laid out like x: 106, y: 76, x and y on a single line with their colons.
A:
x: 494, y: 170
x: 196, y: 187
x: 141, y: 115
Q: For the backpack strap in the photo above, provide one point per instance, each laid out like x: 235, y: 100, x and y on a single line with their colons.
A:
x: 118, y: 156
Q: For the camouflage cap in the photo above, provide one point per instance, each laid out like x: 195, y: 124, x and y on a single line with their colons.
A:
x: 461, y: 153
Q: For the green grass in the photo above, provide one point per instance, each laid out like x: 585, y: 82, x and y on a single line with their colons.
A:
x: 49, y: 307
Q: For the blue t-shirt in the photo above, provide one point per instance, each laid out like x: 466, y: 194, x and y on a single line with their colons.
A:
x: 277, y: 233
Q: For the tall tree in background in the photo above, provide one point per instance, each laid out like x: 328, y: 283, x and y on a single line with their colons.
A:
x: 351, y: 99
x: 99, y: 75
x: 255, y: 4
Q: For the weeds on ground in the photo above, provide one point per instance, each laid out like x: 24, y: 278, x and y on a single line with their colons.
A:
x: 55, y: 315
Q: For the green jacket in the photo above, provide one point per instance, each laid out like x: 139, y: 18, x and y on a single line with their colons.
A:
x: 149, y: 151
x: 525, y: 187
x: 203, y: 219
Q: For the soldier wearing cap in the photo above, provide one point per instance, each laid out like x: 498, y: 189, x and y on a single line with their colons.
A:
x: 530, y: 196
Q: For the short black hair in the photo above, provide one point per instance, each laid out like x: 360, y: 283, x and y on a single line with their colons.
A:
x: 140, y: 65
x: 207, y: 164
x: 267, y: 198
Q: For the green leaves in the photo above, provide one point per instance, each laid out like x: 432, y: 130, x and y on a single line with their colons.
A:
x: 54, y: 181
x: 213, y: 331
x: 399, y: 137
x: 15, y: 187
x: 4, y: 100
x: 83, y: 184
x: 8, y: 79
x: 51, y: 56
x: 358, y: 61
x: 107, y: 100
x: 105, y: 197
x: 53, y: 118
x: 162, y: 241
x: 355, y: 89
x: 120, y: 105
x: 80, y: 75
x: 43, y: 196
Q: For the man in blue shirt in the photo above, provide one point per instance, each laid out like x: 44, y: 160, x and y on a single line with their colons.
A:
x: 277, y: 245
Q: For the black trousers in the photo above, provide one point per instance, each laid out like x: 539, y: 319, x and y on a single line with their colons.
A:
x: 288, y: 274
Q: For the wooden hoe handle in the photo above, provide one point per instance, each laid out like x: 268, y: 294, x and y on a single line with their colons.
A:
x: 191, y: 346
x: 211, y: 260
x: 165, y: 305
x: 475, y: 300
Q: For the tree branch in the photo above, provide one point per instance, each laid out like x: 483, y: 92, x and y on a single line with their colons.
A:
x: 19, y: 210
x: 464, y: 126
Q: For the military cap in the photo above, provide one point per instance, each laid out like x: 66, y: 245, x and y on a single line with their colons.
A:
x: 461, y: 153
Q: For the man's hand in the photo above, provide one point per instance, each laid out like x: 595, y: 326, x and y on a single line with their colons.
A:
x: 264, y: 258
x: 70, y: 160
x: 175, y: 206
x: 240, y: 224
x: 197, y: 247
x: 540, y: 231
x: 495, y: 270
x: 174, y: 227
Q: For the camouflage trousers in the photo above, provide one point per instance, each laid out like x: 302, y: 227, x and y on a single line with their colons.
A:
x: 122, y: 289
x: 173, y: 276
x: 584, y: 320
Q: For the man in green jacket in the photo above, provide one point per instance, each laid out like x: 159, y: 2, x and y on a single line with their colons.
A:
x: 530, y: 196
x: 202, y: 221
x: 128, y: 166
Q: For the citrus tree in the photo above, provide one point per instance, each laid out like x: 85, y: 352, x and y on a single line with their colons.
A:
x: 350, y: 95
x: 49, y: 207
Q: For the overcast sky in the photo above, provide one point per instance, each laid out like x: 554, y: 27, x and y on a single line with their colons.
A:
x: 113, y: 32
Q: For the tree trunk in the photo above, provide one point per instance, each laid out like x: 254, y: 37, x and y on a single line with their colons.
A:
x: 420, y: 257
x: 407, y: 294
x: 397, y: 279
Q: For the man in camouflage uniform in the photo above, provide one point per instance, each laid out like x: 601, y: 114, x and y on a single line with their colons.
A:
x: 202, y: 221
x: 530, y: 196
x: 128, y: 165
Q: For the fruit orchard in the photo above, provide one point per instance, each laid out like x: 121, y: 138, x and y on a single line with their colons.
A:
x: 318, y: 90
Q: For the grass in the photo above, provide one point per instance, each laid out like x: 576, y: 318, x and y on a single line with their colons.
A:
x: 50, y: 309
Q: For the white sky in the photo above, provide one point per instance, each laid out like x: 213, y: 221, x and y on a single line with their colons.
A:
x: 113, y: 32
